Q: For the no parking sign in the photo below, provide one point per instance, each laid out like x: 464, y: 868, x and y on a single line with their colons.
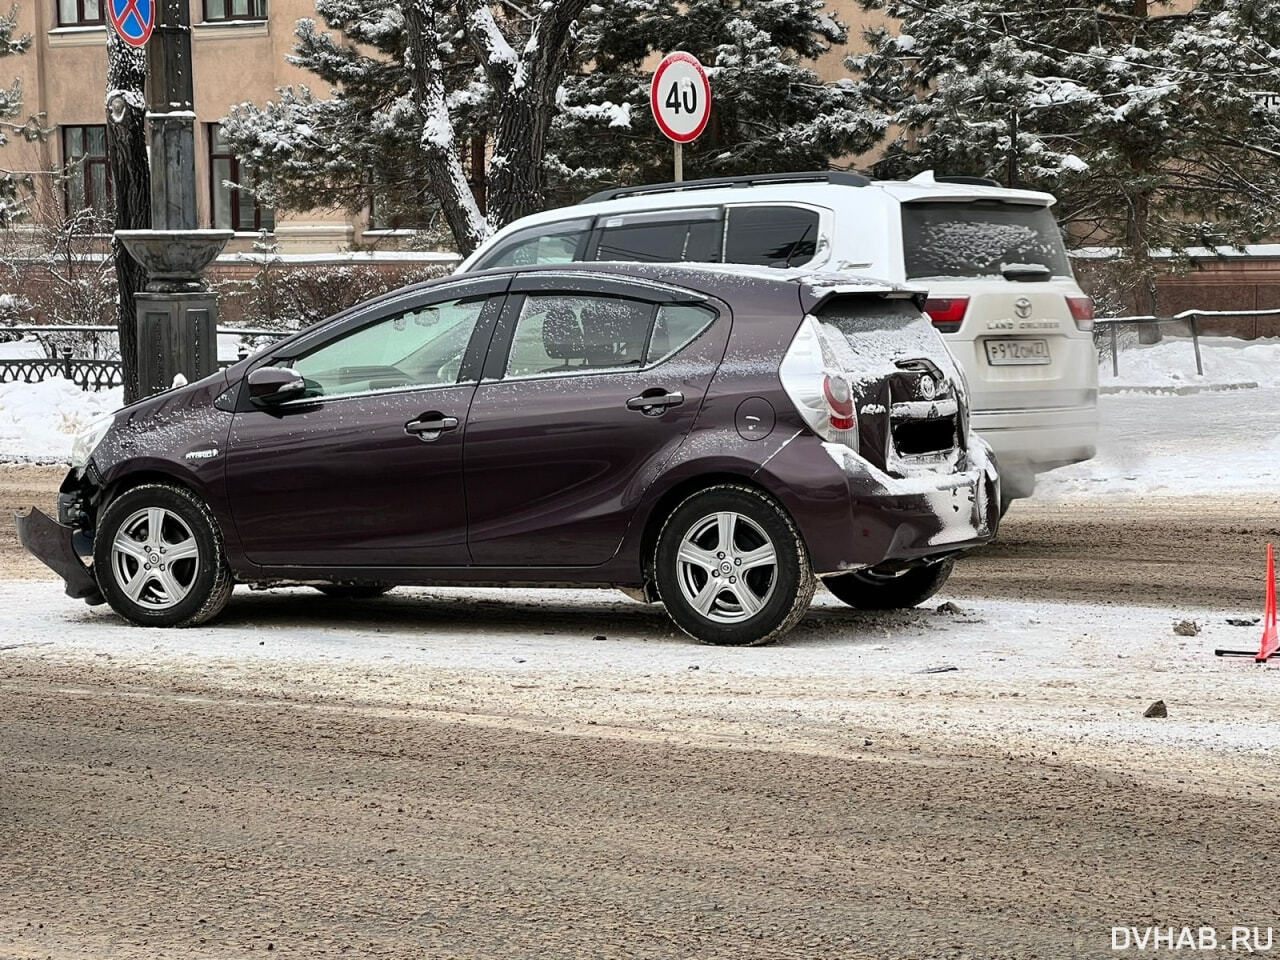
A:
x: 133, y: 20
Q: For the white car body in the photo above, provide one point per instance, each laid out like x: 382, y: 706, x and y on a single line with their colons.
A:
x: 1030, y: 363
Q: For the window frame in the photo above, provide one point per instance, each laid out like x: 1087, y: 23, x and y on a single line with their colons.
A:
x: 87, y: 162
x: 256, y: 5
x: 215, y: 184
x: 81, y: 20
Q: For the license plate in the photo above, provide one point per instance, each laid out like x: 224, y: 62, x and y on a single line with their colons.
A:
x: 1006, y: 352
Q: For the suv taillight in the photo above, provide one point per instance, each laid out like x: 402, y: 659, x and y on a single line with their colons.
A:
x: 1082, y: 312
x: 822, y: 396
x: 947, y: 313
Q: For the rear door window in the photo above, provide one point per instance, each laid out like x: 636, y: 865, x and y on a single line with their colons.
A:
x: 978, y: 238
x: 771, y: 236
x: 569, y: 334
x: 547, y: 243
x: 671, y: 236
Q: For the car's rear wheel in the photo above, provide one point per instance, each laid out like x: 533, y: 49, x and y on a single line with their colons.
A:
x: 731, y: 567
x: 158, y: 558
x: 879, y: 589
x: 354, y: 591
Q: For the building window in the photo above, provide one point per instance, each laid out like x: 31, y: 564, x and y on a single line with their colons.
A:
x: 216, y: 11
x: 88, y: 177
x: 80, y: 13
x: 233, y: 208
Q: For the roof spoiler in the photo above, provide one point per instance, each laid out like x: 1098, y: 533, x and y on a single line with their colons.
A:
x: 836, y: 177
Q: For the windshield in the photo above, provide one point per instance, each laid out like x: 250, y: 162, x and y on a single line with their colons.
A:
x: 978, y: 238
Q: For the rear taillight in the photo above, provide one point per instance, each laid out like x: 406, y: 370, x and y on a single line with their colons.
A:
x: 839, y: 402
x: 822, y: 395
x: 1082, y: 312
x: 947, y: 313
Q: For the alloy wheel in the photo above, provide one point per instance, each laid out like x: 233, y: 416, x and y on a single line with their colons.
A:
x: 155, y: 558
x: 728, y: 567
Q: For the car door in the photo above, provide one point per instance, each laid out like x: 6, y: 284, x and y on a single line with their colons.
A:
x: 589, y: 387
x: 365, y: 469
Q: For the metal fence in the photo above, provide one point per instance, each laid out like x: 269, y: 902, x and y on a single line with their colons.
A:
x: 90, y: 373
x: 1190, y: 317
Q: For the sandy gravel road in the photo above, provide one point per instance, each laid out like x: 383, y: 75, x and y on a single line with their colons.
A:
x: 140, y: 819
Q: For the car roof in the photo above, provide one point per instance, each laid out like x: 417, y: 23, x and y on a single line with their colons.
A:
x: 821, y: 188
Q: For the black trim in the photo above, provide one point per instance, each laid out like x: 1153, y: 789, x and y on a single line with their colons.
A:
x: 834, y: 177
x: 495, y: 361
x: 576, y: 284
x: 972, y: 181
x: 481, y: 338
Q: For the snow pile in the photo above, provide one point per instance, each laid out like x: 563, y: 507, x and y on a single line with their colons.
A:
x: 21, y: 350
x: 40, y: 421
x: 1171, y: 364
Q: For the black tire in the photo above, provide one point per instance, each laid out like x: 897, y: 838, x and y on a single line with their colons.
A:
x: 354, y: 591
x: 210, y: 582
x: 885, y: 590
x: 784, y: 590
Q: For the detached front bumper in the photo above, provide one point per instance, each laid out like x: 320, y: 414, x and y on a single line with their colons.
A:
x: 854, y: 516
x: 54, y: 545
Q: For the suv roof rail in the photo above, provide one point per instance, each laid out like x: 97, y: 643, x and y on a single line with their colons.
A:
x: 836, y: 177
x: 974, y: 181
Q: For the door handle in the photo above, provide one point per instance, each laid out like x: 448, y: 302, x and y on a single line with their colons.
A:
x: 653, y: 402
x: 429, y: 426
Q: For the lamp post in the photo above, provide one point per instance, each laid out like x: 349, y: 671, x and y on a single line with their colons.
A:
x: 177, y: 313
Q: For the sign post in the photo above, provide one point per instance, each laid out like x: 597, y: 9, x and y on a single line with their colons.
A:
x: 680, y: 97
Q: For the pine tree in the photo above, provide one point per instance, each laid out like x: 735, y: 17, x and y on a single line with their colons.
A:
x: 426, y: 76
x: 770, y: 110
x: 1144, y: 120
x: 13, y: 186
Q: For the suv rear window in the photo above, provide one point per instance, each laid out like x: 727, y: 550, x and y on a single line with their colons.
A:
x: 669, y: 237
x: 977, y: 238
x: 780, y: 236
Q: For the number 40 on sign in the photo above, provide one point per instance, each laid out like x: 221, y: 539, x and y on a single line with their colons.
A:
x: 680, y: 97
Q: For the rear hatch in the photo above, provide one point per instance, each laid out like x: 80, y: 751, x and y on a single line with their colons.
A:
x: 878, y: 361
x: 1002, y: 294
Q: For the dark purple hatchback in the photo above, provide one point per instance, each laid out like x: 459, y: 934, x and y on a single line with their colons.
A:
x: 712, y: 438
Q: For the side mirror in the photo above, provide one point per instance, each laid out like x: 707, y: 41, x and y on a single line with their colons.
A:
x: 269, y: 386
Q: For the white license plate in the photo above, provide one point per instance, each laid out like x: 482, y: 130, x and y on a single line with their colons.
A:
x: 1006, y: 352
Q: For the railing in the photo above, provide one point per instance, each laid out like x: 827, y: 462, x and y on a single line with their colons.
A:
x: 90, y: 373
x: 1190, y: 317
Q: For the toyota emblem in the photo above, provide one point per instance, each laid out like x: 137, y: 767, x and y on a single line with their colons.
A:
x: 928, y: 387
x: 1022, y: 308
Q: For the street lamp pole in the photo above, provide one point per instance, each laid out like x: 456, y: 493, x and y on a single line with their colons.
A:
x: 177, y: 313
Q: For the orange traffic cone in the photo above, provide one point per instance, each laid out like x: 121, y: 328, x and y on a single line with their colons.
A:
x: 1270, y: 634
x: 1270, y: 645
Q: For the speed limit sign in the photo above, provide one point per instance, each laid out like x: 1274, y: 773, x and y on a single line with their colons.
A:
x: 680, y: 96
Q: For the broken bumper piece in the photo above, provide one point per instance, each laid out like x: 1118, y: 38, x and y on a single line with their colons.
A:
x: 54, y: 545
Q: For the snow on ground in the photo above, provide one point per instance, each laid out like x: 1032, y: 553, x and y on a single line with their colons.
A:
x: 40, y: 421
x: 1178, y: 446
x: 21, y: 350
x: 1171, y: 364
x: 1070, y: 677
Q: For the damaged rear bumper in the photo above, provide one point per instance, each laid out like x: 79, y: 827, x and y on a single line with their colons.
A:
x: 54, y: 545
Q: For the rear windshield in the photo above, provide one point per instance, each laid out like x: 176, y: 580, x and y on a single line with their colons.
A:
x: 877, y: 332
x: 978, y: 238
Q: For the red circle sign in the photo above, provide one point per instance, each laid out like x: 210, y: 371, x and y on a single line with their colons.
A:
x: 133, y: 20
x: 680, y: 97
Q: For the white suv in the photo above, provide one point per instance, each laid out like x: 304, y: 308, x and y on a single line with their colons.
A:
x: 1001, y: 289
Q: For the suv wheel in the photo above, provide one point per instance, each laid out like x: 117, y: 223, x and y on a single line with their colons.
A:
x: 873, y: 589
x: 731, y: 568
x: 158, y: 558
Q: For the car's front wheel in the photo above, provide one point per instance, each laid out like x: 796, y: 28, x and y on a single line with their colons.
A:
x: 731, y: 567
x: 878, y: 589
x: 158, y: 557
